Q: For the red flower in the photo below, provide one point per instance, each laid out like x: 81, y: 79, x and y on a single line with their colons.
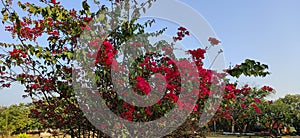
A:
x: 88, y: 19
x: 128, y: 114
x: 130, y: 118
x: 87, y: 27
x: 9, y: 28
x: 44, y: 121
x: 267, y: 88
x: 177, y: 38
x: 34, y: 86
x: 182, y: 29
x: 172, y: 96
x: 180, y: 34
x: 13, y: 52
x: 197, y: 54
x: 54, y: 2
x: 244, y: 115
x: 54, y: 33
x: 196, y: 108
x: 142, y: 85
x: 227, y: 115
x: 214, y: 41
x: 187, y: 33
x: 105, y: 54
x: 243, y: 105
x: 257, y: 100
x: 16, y: 53
x: 6, y: 85
x: 148, y: 111
x: 73, y: 13
x: 126, y: 105
x: 257, y: 110
x: 227, y: 108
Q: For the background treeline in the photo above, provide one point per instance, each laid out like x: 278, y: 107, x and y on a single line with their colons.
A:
x: 14, y: 119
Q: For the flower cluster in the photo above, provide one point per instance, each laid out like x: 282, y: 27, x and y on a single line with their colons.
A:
x: 267, y: 88
x: 181, y: 33
x: 256, y: 108
x: 214, y: 41
x: 142, y: 85
x: 17, y: 53
x: 105, y: 54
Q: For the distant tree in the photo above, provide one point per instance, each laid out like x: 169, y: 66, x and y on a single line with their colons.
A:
x: 279, y: 113
x: 241, y: 106
x: 292, y: 105
x: 14, y: 119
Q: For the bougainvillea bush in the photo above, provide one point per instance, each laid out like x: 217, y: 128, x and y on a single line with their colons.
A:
x: 50, y: 35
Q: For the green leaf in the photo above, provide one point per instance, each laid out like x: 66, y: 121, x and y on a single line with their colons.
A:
x: 70, y: 55
x: 100, y: 17
x: 85, y: 5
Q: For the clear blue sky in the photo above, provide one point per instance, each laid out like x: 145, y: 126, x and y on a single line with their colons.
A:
x: 267, y: 31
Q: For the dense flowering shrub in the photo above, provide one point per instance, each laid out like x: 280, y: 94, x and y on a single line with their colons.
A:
x: 46, y: 70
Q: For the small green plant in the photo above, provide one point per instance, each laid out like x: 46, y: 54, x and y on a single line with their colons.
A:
x: 23, y: 135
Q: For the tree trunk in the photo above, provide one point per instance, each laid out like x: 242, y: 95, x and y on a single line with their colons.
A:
x: 79, y: 129
x: 83, y: 131
x: 94, y: 133
x: 89, y: 131
x: 245, y: 128
x: 72, y: 133
x: 98, y: 134
x: 215, y: 126
x: 232, y: 126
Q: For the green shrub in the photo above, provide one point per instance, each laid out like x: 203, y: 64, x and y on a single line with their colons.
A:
x: 23, y: 135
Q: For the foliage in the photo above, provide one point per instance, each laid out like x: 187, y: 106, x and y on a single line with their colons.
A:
x: 14, y: 119
x: 285, y: 110
x: 249, y: 68
x: 23, y: 135
x: 292, y: 103
x: 245, y: 109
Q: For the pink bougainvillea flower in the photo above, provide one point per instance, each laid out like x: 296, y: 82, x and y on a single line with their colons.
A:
x: 213, y: 41
x: 244, y: 115
x: 182, y: 29
x: 142, y: 85
x: 257, y: 110
x: 243, y: 105
x: 267, y: 88
x: 257, y: 100
x: 54, y: 2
